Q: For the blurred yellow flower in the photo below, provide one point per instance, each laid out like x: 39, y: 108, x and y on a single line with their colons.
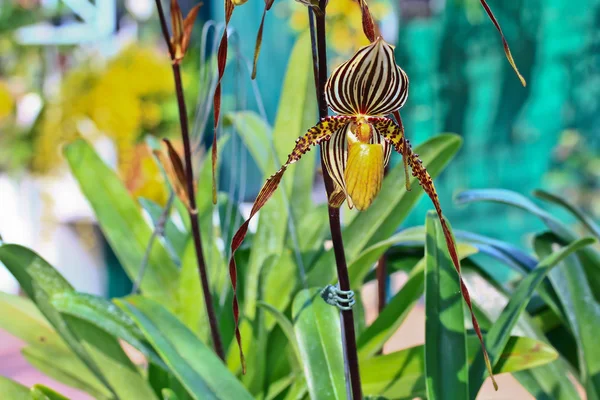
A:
x: 344, y: 24
x: 143, y: 178
x: 122, y: 100
x: 6, y: 101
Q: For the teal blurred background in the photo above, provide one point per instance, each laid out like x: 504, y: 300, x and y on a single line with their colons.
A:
x: 98, y: 69
x: 545, y: 135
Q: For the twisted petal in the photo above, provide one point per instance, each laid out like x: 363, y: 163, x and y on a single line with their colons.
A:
x: 315, y: 135
x: 221, y: 62
x: 259, y: 35
x: 509, y: 56
x: 370, y: 83
x: 395, y: 136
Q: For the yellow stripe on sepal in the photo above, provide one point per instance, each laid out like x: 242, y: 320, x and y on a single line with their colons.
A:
x: 364, y: 173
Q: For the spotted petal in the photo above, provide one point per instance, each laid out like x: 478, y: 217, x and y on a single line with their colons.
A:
x: 370, y: 83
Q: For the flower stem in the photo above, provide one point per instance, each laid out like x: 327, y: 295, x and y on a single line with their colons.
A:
x: 347, y: 317
x: 189, y: 174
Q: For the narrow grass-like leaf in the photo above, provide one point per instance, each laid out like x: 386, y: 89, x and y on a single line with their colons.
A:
x: 550, y: 381
x: 513, y: 199
x: 317, y: 328
x: 590, y: 256
x: 500, y: 332
x: 445, y: 334
x: 581, y: 310
x: 588, y: 222
x: 196, y: 366
x: 286, y: 327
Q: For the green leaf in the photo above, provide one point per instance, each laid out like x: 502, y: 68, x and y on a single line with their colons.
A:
x: 40, y: 281
x: 360, y: 267
x: 13, y: 390
x: 506, y: 197
x: 195, y: 365
x: 445, y: 334
x: 122, y: 223
x: 389, y: 209
x: 590, y: 256
x: 47, y: 352
x: 257, y: 136
x: 41, y: 392
x: 106, y: 316
x: 295, y: 115
x: 396, y: 310
x: 588, y: 222
x: 99, y: 351
x: 168, y: 394
x: 65, y: 367
x: 279, y: 283
x: 192, y: 308
x: 286, y: 327
x: 400, y: 375
x: 500, y: 332
x: 551, y: 381
x: 581, y: 310
x: 317, y: 327
x: 22, y: 319
x: 122, y: 375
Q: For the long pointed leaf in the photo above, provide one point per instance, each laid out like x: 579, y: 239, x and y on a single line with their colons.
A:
x: 400, y: 375
x: 581, y: 310
x: 100, y: 352
x: 445, y: 334
x: 122, y: 223
x: 195, y: 365
x: 573, y: 209
x: 500, y: 332
x: 317, y: 328
x: 106, y: 316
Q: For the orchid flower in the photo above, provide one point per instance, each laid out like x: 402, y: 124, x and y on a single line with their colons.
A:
x: 371, y: 31
x: 356, y: 146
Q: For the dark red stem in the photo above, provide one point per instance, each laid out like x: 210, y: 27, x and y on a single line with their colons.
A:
x: 348, y: 333
x: 187, y: 150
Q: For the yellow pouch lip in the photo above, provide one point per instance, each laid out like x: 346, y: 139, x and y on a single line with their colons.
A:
x: 364, y: 173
